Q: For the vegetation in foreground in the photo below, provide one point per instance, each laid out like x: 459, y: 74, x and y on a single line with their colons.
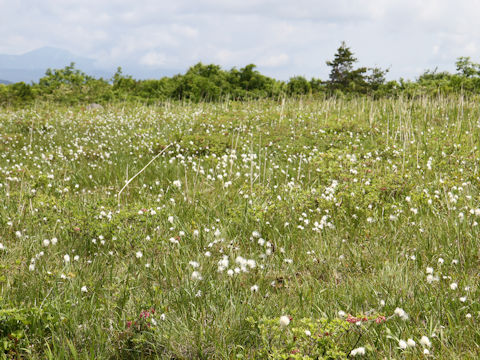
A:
x: 290, y: 230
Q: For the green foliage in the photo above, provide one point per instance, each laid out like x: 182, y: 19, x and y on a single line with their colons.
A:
x: 209, y: 82
x: 344, y: 77
x: 17, y: 325
x: 298, y: 85
x: 302, y: 339
x: 467, y: 68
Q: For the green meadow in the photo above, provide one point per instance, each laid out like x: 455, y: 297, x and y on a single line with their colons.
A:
x: 295, y: 229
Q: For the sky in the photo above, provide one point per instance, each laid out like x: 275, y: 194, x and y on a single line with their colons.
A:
x: 283, y: 38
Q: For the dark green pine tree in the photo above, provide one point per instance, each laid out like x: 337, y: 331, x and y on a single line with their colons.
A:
x: 342, y: 74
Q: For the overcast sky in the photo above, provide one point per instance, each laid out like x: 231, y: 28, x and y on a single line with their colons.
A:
x: 284, y: 38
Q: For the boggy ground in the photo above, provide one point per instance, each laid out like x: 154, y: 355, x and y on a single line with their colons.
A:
x: 303, y: 229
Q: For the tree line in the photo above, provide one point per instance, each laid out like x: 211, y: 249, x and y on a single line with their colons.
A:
x: 212, y: 83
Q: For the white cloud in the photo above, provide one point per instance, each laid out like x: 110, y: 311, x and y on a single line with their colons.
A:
x: 153, y: 59
x: 284, y: 38
x: 274, y: 60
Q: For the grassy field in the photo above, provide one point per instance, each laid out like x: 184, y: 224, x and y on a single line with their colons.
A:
x: 284, y: 230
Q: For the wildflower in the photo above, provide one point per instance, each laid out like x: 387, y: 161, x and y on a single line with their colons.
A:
x: 31, y: 267
x: 84, y: 289
x: 66, y: 258
x: 194, y: 264
x: 402, y: 344
x: 46, y: 242
x: 453, y: 286
x: 170, y: 219
x: 254, y: 288
x: 2, y: 247
x: 358, y: 351
x: 342, y: 314
x: 196, y: 276
x: 425, y: 341
x: 54, y: 241
x: 308, y: 333
x: 284, y: 321
x: 177, y: 183
x: 138, y: 254
x: 429, y: 270
x: 223, y: 264
x: 401, y: 313
x: 411, y: 343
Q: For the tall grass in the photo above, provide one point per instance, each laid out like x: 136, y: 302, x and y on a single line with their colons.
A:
x: 252, y: 211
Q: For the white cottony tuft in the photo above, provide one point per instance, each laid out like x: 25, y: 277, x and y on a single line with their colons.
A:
x: 401, y: 313
x: 196, y: 276
x: 284, y: 321
x: 425, y: 341
x: 358, y: 351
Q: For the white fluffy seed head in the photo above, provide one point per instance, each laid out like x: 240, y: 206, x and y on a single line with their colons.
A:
x: 284, y: 321
x: 425, y: 341
x: 358, y: 351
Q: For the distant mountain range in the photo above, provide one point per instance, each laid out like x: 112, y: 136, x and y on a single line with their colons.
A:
x: 32, y: 65
x: 5, y: 82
